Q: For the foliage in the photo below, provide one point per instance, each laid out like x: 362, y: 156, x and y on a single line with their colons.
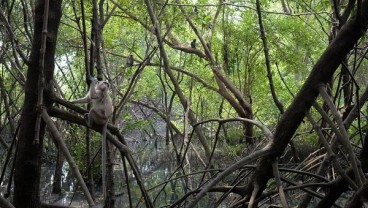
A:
x: 230, y: 30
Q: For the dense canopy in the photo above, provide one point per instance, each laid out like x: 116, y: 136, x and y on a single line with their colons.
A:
x: 217, y: 103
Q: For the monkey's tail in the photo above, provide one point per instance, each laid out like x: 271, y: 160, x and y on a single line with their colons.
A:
x: 103, y: 164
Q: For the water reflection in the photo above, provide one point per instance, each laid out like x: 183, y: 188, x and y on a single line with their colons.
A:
x: 153, y: 157
x: 157, y: 162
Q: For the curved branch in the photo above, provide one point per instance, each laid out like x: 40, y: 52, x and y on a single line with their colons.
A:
x: 158, y: 112
x: 266, y: 151
x: 188, y: 49
x: 264, y: 128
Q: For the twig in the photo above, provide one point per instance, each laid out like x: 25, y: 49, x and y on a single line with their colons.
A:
x: 264, y: 128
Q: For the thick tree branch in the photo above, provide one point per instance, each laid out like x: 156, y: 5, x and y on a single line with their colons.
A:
x: 59, y: 142
x: 322, y: 72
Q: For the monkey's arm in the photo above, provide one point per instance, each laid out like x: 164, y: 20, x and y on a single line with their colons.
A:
x: 92, y: 89
x: 91, y: 92
x: 86, y: 99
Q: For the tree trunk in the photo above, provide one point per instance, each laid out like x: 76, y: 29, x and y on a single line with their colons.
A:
x: 110, y: 199
x: 56, y: 186
x: 28, y: 163
x: 321, y: 74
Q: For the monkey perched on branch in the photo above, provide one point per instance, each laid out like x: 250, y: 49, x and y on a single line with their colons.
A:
x: 99, y: 114
x: 129, y: 61
x: 101, y: 108
x: 193, y: 43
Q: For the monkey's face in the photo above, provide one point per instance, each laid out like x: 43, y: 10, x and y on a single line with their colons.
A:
x: 103, y: 86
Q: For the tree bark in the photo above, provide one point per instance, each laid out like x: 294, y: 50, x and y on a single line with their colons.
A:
x: 56, y: 186
x: 110, y: 186
x: 28, y: 163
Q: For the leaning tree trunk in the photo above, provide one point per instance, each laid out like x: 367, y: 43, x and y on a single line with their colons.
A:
x: 322, y: 72
x: 28, y: 163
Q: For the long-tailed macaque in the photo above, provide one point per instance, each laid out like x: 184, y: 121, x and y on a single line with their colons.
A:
x: 101, y: 111
x: 193, y: 43
x: 101, y: 105
x: 129, y: 61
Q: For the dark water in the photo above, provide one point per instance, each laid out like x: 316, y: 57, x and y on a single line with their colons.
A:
x: 152, y: 156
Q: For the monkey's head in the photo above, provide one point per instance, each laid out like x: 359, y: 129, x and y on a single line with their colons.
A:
x: 103, y: 86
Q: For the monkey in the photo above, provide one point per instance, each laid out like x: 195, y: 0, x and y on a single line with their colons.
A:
x: 129, y: 61
x: 195, y: 8
x: 210, y: 26
x: 193, y: 43
x: 101, y: 109
x: 99, y: 114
